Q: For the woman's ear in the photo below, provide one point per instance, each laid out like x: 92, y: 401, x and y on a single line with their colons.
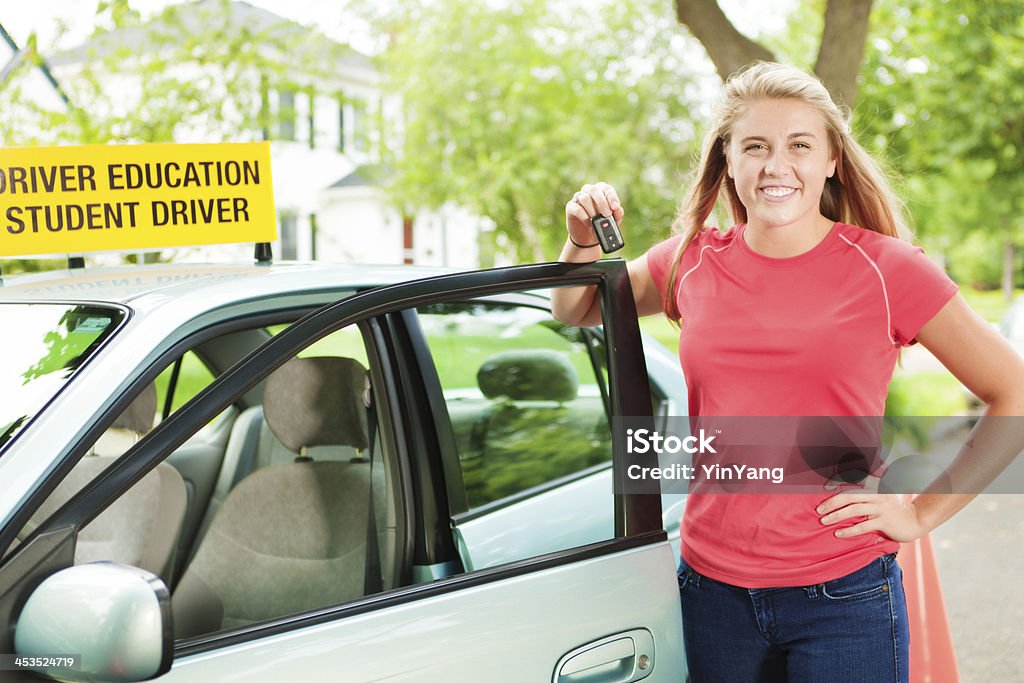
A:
x: 831, y: 168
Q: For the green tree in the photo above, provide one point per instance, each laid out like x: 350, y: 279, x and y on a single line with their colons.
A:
x: 943, y: 94
x: 510, y: 107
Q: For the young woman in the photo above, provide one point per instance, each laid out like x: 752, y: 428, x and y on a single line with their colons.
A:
x: 799, y: 309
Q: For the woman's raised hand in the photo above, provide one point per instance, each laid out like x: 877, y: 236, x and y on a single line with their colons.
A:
x: 591, y: 200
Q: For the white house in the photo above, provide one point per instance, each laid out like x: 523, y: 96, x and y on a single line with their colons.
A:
x: 322, y: 123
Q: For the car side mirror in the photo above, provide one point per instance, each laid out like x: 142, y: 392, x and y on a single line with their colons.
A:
x: 116, y: 617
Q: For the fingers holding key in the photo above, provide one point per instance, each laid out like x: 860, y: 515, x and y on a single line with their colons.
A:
x: 595, y: 199
x: 599, y: 198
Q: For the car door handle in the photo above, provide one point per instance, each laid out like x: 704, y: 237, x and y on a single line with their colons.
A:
x: 620, y: 658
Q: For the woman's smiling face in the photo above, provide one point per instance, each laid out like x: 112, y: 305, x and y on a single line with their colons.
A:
x: 779, y: 158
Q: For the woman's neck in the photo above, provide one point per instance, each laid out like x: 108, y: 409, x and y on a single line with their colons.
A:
x: 785, y: 241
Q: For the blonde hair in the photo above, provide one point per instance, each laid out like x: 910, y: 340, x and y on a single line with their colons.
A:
x: 858, y: 193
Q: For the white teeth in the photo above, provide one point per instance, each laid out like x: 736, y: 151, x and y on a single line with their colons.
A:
x: 778, y: 191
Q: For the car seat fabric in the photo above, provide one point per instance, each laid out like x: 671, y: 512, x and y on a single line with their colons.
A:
x: 140, y: 413
x: 140, y: 528
x: 290, y: 536
x: 286, y: 540
x: 317, y: 402
x: 134, y: 421
x: 252, y: 445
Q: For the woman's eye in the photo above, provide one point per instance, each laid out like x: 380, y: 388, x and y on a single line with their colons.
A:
x: 756, y: 147
x: 801, y: 145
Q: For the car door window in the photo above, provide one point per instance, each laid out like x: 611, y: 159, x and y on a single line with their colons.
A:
x: 525, y: 401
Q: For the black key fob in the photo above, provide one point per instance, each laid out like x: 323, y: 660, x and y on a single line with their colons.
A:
x: 607, y: 231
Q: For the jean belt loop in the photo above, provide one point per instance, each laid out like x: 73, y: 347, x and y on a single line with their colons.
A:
x: 812, y: 591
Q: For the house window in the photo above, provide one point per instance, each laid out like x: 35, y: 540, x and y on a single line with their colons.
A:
x: 264, y: 107
x: 312, y: 118
x: 353, y: 130
x: 359, y: 127
x: 286, y: 114
x: 341, y: 124
x: 288, y: 234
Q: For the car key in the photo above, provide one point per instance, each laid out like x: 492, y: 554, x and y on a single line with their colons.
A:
x: 607, y: 231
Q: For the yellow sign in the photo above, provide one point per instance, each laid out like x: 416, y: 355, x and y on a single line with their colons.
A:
x: 70, y: 200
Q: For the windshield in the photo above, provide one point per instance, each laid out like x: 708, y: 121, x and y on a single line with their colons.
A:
x: 44, y: 344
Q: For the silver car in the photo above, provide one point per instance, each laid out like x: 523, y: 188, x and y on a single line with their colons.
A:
x: 302, y: 471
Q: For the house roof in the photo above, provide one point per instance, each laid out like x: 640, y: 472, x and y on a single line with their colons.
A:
x: 7, y: 38
x: 191, y: 18
x: 27, y: 55
x: 362, y: 176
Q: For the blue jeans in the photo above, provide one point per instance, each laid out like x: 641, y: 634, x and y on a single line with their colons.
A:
x: 851, y: 630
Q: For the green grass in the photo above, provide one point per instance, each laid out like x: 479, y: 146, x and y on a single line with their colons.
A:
x: 925, y: 393
x: 659, y: 327
x: 192, y: 379
x: 924, y: 397
x: 990, y: 304
x: 459, y: 356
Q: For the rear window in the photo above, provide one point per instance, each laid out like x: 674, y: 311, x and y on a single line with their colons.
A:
x: 44, y: 345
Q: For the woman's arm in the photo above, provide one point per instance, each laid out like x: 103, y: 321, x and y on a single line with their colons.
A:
x: 579, y: 306
x: 977, y: 355
x: 987, y: 365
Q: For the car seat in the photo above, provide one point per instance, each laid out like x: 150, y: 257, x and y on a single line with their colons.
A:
x: 290, y: 536
x: 142, y: 526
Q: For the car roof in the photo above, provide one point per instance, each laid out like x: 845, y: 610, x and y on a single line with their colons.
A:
x: 145, y: 286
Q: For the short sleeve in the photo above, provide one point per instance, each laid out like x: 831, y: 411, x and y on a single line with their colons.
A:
x: 918, y: 288
x: 659, y: 261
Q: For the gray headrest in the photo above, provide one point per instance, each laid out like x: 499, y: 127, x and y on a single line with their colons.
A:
x: 534, y: 375
x: 139, y: 414
x: 317, y: 402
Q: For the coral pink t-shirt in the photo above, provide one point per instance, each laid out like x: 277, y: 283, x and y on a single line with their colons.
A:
x: 817, y: 334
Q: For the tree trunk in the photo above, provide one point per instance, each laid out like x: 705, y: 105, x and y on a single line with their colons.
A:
x: 1009, y: 262
x: 840, y: 53
x: 729, y: 49
x: 842, y: 48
